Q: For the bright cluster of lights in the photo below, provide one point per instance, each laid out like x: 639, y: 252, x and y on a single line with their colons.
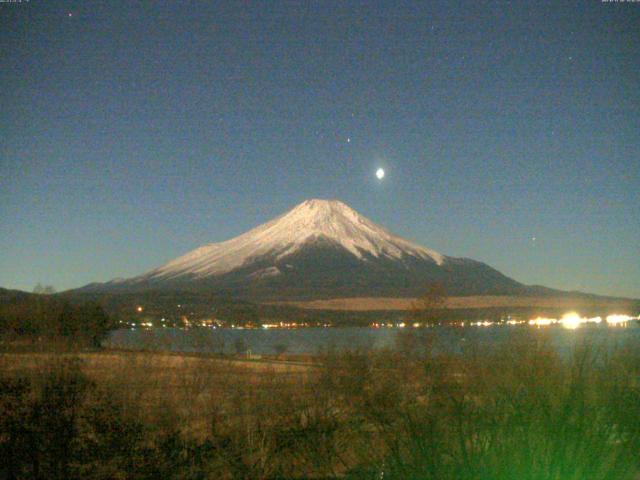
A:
x: 572, y: 320
x: 515, y: 322
x: 142, y: 324
x: 569, y: 320
x: 485, y: 323
x: 390, y: 325
x: 542, y: 322
x: 267, y: 326
x: 619, y: 319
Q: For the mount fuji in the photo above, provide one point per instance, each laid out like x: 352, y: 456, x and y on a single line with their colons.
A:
x: 319, y: 249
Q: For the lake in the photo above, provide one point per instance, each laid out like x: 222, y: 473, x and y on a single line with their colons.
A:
x: 316, y: 340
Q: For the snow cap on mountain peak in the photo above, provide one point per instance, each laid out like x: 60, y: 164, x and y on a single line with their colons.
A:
x: 311, y: 220
x: 322, y: 203
x: 318, y: 206
x: 323, y: 210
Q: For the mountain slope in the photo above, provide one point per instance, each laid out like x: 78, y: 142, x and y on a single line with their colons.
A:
x: 319, y: 249
x: 310, y: 221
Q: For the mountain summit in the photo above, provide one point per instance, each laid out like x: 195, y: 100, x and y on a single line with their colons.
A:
x: 329, y: 221
x: 320, y: 248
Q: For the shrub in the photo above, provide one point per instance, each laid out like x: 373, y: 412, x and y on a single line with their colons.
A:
x: 518, y: 411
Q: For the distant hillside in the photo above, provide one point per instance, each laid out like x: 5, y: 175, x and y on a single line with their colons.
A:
x: 11, y: 296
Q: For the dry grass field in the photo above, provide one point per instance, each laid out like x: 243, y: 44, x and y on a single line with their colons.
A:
x: 503, y: 301
x: 517, y: 411
x: 185, y: 384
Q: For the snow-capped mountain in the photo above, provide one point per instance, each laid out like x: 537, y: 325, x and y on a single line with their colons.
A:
x: 312, y: 220
x: 320, y: 248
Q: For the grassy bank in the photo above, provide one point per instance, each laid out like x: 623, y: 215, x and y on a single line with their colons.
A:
x: 519, y: 411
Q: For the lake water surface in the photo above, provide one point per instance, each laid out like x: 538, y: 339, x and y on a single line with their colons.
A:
x: 316, y: 340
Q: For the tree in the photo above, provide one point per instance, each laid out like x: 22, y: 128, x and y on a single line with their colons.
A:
x: 68, y: 323
x: 44, y: 289
x: 88, y: 321
x: 427, y: 308
x: 98, y: 323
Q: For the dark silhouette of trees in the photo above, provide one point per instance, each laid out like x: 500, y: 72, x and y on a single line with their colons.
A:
x: 428, y: 307
x: 44, y: 289
x: 48, y: 316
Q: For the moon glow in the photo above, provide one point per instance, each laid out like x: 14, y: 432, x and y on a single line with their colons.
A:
x: 380, y: 173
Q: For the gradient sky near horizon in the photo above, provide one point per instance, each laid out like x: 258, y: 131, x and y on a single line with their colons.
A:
x: 133, y: 132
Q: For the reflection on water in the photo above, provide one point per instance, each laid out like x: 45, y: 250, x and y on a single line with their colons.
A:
x: 316, y: 340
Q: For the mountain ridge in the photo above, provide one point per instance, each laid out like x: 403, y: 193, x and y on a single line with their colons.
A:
x: 320, y: 249
x: 284, y: 235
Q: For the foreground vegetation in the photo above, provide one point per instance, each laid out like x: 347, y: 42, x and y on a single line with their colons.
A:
x: 519, y: 411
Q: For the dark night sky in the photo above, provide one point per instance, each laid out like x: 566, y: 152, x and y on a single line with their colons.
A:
x: 133, y: 132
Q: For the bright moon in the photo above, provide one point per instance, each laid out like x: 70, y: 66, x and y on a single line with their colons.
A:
x: 380, y: 173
